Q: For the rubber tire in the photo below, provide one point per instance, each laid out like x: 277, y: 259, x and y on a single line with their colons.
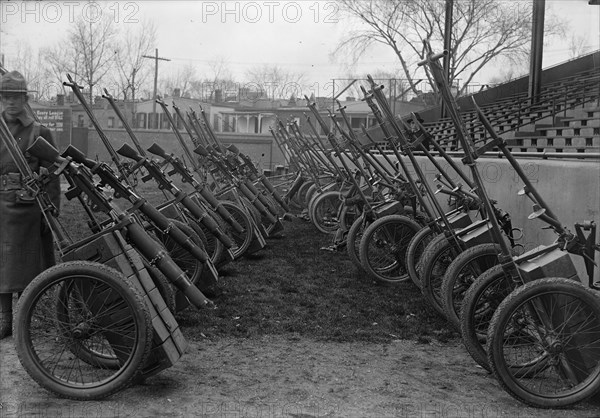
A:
x: 301, y: 195
x: 478, y: 307
x: 255, y: 214
x: 277, y: 211
x: 549, y: 288
x: 187, y: 262
x: 311, y: 201
x: 371, y: 243
x: 213, y: 247
x: 461, y: 274
x: 311, y: 193
x: 131, y: 308
x: 164, y: 286
x: 420, y: 217
x: 272, y: 204
x: 415, y: 249
x: 242, y: 240
x: 353, y: 239
x: 349, y: 214
x: 324, y: 210
x: 434, y: 262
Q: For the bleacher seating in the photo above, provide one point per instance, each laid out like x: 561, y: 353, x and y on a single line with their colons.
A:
x: 566, y: 118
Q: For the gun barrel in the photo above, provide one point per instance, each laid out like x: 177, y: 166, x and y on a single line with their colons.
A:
x: 153, y: 251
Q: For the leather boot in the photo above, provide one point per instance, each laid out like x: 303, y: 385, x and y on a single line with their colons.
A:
x: 6, y: 316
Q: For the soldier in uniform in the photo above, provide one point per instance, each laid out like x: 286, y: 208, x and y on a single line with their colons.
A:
x: 26, y: 246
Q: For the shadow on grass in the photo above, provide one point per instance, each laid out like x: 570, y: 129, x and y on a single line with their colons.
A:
x: 293, y: 287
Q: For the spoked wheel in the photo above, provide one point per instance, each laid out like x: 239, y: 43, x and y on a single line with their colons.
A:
x: 324, y: 211
x: 191, y: 266
x: 241, y: 240
x: 434, y: 263
x: 274, y: 229
x: 164, y: 286
x: 82, y: 330
x: 461, y: 274
x: 256, y: 216
x: 415, y: 249
x: 347, y: 215
x: 544, y: 343
x: 383, y: 248
x: 355, y: 234
x: 213, y: 247
x: 272, y: 209
x: 311, y: 193
x: 300, y: 197
x: 420, y: 217
x: 480, y: 302
x: 272, y: 204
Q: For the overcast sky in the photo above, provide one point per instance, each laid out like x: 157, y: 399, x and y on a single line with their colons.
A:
x: 297, y: 35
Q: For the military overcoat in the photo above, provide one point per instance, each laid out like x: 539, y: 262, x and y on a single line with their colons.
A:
x: 26, y: 246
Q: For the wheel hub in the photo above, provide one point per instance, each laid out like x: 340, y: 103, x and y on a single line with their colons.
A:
x: 81, y: 331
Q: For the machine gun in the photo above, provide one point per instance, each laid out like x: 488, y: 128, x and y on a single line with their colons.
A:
x: 123, y: 188
x: 154, y: 172
x: 248, y: 236
x: 165, y: 225
x: 81, y: 179
x: 259, y: 176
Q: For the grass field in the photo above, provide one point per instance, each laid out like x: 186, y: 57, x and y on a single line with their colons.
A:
x: 294, y: 287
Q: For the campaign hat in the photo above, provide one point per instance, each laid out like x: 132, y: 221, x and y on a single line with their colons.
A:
x: 13, y: 82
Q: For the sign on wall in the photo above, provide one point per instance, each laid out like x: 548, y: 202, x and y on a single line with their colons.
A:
x: 58, y: 120
x: 53, y: 119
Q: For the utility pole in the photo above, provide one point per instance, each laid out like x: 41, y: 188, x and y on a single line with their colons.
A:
x: 447, y: 45
x: 537, y: 51
x: 155, y: 58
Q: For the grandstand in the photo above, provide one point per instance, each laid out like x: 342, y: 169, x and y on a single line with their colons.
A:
x: 564, y: 119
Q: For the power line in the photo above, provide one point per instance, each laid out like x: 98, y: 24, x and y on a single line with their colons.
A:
x: 156, y: 58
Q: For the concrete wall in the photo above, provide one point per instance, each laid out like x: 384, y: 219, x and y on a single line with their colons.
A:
x: 570, y: 188
x: 260, y: 148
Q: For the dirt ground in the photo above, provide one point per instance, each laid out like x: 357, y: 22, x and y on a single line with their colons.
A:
x: 291, y: 377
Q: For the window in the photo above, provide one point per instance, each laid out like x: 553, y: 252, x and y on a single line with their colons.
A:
x: 178, y: 121
x: 111, y: 122
x: 152, y: 121
x: 141, y: 120
x: 356, y: 122
x: 164, y: 121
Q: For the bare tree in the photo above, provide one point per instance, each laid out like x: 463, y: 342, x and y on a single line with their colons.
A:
x: 130, y: 64
x: 60, y: 60
x: 482, y: 31
x: 87, y: 53
x: 578, y: 45
x: 131, y: 46
x: 394, y: 84
x: 182, y: 79
x: 219, y: 77
x: 33, y: 68
x: 275, y: 81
